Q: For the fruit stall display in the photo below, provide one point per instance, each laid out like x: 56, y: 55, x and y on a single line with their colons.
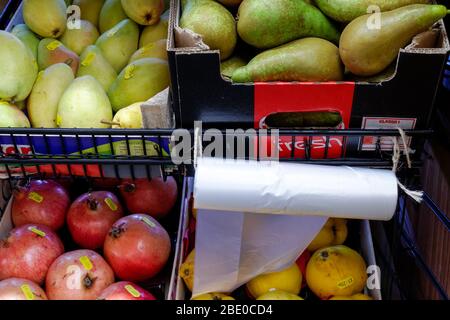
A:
x: 253, y: 61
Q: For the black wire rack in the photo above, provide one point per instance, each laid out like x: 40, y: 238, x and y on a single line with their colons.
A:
x: 106, y: 153
x: 143, y: 153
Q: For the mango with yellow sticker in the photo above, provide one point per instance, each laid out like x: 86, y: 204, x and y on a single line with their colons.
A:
x: 51, y: 51
x: 139, y: 81
x: 93, y: 63
x: 12, y: 116
x: 151, y: 34
x: 119, y: 43
x: 336, y: 271
x: 84, y: 105
x: 43, y: 101
x: 157, y: 49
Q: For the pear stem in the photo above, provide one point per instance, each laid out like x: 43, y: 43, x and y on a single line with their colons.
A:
x: 111, y: 123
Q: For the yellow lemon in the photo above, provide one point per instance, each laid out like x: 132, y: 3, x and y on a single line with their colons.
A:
x: 279, y: 295
x: 334, y: 232
x: 289, y: 280
x: 336, y: 271
x: 213, y: 296
x: 358, y: 296
x: 187, y: 270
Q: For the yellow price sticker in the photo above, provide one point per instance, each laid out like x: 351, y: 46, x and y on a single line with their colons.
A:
x: 39, y: 76
x: 110, y: 203
x: 88, y: 60
x: 54, y: 45
x: 129, y: 71
x: 132, y: 290
x: 29, y: 295
x: 58, y: 120
x: 345, y: 283
x: 149, y: 222
x: 86, y: 262
x: 36, y: 197
x: 37, y: 231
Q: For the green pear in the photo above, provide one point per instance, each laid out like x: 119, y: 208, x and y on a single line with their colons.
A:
x: 366, y: 50
x: 213, y: 22
x: 348, y: 10
x: 18, y: 68
x: 84, y: 105
x: 119, y: 43
x: 78, y: 39
x: 52, y: 51
x: 156, y: 49
x: 139, y: 81
x: 94, y: 64
x: 47, y: 91
x: 155, y: 32
x: 27, y: 36
x: 143, y: 12
x: 47, y: 18
x: 90, y: 9
x: 129, y: 117
x: 307, y: 59
x: 12, y: 117
x: 267, y: 24
x: 112, y: 13
x: 228, y: 66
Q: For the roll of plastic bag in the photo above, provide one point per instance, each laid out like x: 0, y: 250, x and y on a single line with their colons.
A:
x: 295, y: 189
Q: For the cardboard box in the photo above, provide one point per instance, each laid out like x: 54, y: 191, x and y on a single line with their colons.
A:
x: 185, y: 241
x: 62, y: 143
x: 405, y: 100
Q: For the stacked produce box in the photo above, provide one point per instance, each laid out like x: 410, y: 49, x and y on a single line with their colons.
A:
x: 301, y: 64
x: 370, y: 69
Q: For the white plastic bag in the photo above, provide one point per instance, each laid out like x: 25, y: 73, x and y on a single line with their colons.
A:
x: 256, y: 217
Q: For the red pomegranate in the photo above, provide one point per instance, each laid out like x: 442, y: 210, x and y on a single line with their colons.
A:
x: 20, y: 289
x: 137, y: 247
x: 28, y: 252
x: 125, y: 290
x: 78, y: 275
x: 302, y: 261
x: 155, y: 197
x: 91, y: 216
x: 42, y: 202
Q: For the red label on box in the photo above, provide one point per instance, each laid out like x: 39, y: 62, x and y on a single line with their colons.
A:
x: 385, y: 143
x: 271, y: 98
